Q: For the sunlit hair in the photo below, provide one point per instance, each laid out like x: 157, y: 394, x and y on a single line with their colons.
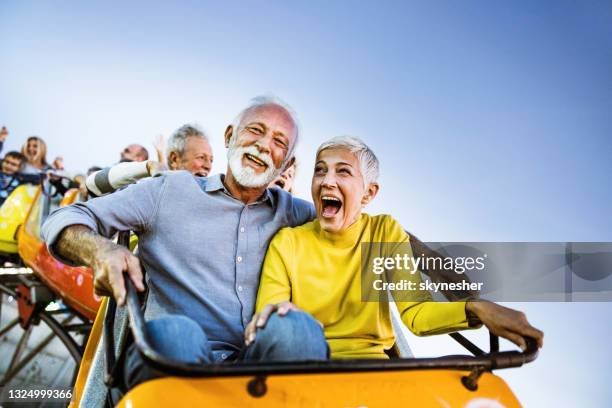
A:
x: 366, y: 157
x: 264, y: 100
x: 178, y: 140
x: 42, y: 150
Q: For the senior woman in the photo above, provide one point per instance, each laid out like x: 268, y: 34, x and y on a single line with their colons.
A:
x: 314, y: 271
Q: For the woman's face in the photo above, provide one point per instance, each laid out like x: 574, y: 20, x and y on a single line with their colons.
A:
x: 32, y: 149
x: 338, y: 190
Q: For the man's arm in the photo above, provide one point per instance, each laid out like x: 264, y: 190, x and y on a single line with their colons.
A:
x: 75, y: 234
x: 111, y: 179
x: 108, y: 260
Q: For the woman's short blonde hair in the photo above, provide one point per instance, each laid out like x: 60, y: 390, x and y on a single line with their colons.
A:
x: 367, y: 159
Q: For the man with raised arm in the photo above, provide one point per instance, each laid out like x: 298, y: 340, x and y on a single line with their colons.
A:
x: 188, y: 149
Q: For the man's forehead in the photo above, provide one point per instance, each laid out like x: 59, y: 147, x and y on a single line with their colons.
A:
x: 272, y: 116
x: 199, y: 143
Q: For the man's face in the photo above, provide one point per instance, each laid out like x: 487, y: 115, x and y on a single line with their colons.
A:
x: 10, y: 165
x: 260, y: 144
x: 197, y: 158
x: 132, y: 153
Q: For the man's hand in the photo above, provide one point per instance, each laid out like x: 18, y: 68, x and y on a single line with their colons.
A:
x: 160, y: 148
x: 260, y: 319
x: 154, y: 167
x: 504, y: 322
x: 109, y: 264
x: 108, y: 260
x: 3, y: 133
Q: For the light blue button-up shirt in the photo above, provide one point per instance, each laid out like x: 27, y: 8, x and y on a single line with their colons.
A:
x: 202, y: 249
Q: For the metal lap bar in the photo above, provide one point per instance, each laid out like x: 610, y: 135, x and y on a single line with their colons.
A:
x: 138, y: 327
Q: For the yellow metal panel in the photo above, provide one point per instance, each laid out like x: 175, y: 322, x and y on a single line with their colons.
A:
x: 12, y: 214
x: 423, y: 388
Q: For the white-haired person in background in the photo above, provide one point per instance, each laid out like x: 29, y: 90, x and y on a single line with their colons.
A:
x: 315, y: 269
x: 187, y: 149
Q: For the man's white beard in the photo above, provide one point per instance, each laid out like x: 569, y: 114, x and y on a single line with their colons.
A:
x: 246, y: 176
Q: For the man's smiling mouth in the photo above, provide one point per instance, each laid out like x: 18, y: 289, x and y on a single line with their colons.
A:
x: 255, y: 160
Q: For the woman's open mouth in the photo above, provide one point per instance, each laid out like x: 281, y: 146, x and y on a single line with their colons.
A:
x: 330, y: 206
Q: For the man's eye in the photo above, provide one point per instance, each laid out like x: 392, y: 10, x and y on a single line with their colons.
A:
x: 280, y: 142
x: 255, y: 130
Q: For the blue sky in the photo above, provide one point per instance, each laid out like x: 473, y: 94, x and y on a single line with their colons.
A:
x: 491, y: 119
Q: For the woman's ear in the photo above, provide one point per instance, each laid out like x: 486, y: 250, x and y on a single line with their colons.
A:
x: 370, y: 193
x: 228, y: 134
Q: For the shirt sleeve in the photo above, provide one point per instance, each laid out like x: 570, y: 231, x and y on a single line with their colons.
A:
x: 275, y: 284
x: 130, y: 209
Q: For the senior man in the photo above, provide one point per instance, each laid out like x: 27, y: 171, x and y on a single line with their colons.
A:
x: 188, y: 149
x: 202, y: 242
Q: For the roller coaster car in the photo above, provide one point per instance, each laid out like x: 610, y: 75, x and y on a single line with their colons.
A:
x: 463, y: 380
x: 57, y: 295
x: 74, y: 285
x: 12, y: 215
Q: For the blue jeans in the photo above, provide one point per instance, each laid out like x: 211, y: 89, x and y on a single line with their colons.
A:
x: 294, y: 337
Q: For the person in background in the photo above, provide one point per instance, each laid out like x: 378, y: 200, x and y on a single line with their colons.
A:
x: 134, y: 153
x: 188, y: 149
x: 58, y: 163
x: 286, y: 179
x: 35, y: 152
x: 10, y: 176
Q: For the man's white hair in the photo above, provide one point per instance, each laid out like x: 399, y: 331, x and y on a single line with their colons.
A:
x: 177, y: 141
x: 368, y: 162
x: 263, y: 100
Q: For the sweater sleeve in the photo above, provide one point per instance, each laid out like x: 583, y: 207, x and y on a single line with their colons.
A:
x: 111, y: 179
x: 425, y: 317
x: 275, y: 284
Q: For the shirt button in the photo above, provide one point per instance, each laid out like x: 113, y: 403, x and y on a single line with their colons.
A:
x: 241, y: 229
x: 224, y: 356
x: 239, y: 259
x: 239, y: 288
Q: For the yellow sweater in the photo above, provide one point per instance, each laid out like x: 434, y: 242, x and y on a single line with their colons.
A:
x: 320, y: 273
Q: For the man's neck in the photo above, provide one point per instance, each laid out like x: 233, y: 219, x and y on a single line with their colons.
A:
x: 245, y: 194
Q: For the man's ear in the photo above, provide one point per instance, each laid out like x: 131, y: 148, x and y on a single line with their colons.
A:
x: 370, y: 193
x: 174, y: 160
x: 228, y: 134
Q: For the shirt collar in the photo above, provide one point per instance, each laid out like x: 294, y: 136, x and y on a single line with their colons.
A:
x: 215, y: 183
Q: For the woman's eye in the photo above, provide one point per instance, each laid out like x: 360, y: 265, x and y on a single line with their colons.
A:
x: 344, y: 171
x: 319, y: 169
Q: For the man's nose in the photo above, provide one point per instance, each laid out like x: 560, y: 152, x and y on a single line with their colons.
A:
x: 264, y: 142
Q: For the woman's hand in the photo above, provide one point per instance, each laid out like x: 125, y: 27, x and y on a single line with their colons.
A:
x: 505, y: 322
x: 260, y: 319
